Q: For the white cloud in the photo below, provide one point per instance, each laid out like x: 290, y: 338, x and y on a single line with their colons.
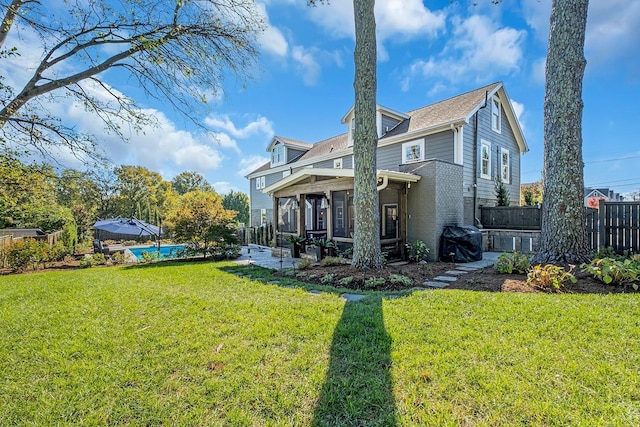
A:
x: 518, y: 108
x: 408, y: 18
x: 199, y: 158
x: 271, y: 39
x: 478, y: 48
x: 308, y: 67
x: 538, y: 72
x: 224, y: 141
x: 613, y: 30
x: 259, y: 126
x: 225, y: 187
x: 251, y: 163
x: 613, y: 27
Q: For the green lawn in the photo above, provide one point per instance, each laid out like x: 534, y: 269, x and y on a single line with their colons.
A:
x: 192, y: 344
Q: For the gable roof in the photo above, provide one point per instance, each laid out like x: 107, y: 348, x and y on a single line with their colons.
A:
x: 454, y: 111
x: 288, y: 142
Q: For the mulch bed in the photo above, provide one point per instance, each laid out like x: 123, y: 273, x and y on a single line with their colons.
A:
x: 487, y: 279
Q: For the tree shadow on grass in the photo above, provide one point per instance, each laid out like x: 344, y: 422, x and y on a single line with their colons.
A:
x: 358, y: 390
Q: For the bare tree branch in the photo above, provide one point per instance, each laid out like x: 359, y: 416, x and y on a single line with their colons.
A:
x: 174, y: 50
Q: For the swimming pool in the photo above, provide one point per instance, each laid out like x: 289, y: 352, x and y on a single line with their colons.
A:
x: 166, y: 251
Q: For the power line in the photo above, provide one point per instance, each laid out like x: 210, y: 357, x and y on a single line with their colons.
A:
x: 612, y: 160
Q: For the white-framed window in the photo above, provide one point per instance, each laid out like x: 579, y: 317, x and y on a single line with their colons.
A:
x: 485, y: 160
x: 496, y: 114
x: 337, y: 163
x: 262, y: 182
x: 412, y: 151
x: 505, y: 165
x: 277, y: 155
x: 263, y: 216
x: 352, y: 127
x: 257, y: 183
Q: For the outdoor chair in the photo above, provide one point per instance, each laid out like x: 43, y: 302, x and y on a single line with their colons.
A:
x: 97, y: 246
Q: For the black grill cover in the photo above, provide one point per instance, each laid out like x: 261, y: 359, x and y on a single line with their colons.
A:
x: 464, y: 242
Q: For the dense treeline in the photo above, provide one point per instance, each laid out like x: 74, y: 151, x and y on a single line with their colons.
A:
x: 37, y: 196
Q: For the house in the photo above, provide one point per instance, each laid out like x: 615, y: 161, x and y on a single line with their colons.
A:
x: 436, y: 166
x: 592, y: 196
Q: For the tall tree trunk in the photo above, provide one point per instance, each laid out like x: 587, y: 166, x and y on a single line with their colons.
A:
x: 366, y: 248
x: 563, y: 237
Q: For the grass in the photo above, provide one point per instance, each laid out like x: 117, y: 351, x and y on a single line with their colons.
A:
x: 192, y: 344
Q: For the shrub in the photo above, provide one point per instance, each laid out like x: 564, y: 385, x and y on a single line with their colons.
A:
x: 304, y: 263
x: 99, y: 259
x: 345, y: 281
x: 549, y: 276
x: 330, y: 261
x: 399, y: 279
x: 148, y: 256
x: 22, y: 254
x: 418, y: 251
x: 374, y: 282
x: 327, y: 279
x: 614, y: 271
x: 117, y: 258
x: 509, y: 263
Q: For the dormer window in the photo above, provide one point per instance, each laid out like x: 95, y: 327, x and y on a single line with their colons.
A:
x: 496, y: 116
x: 278, y: 155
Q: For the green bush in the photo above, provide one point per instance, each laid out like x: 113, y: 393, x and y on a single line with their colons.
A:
x: 149, y: 256
x: 614, y: 271
x: 374, y: 282
x: 514, y: 262
x: 549, y: 276
x: 22, y: 254
x: 399, y: 279
x: 117, y: 258
x: 345, y: 281
x: 304, y: 263
x: 418, y: 251
x: 330, y: 261
x: 327, y: 279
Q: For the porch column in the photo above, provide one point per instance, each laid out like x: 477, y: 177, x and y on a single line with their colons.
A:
x: 404, y: 217
x: 329, y: 215
x: 302, y: 207
x: 276, y: 223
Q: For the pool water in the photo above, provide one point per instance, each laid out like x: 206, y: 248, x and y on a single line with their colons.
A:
x: 166, y: 251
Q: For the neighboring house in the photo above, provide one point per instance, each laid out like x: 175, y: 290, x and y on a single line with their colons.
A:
x: 436, y: 166
x: 592, y: 196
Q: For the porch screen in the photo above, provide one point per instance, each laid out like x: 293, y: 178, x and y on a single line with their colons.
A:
x: 287, y: 214
x: 343, y: 214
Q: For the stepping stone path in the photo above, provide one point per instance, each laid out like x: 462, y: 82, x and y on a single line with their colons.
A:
x: 353, y: 297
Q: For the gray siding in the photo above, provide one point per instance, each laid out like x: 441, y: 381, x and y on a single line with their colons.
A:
x: 388, y: 123
x: 293, y: 154
x: 259, y: 200
x: 472, y: 143
x: 439, y: 146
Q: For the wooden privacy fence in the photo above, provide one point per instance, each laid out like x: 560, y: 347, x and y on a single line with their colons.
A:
x: 618, y: 226
x: 511, y: 217
x: 613, y: 225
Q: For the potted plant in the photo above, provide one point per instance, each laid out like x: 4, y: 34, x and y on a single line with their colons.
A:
x: 297, y: 242
x: 324, y: 247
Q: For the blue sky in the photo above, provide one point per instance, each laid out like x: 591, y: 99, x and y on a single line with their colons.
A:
x: 302, y: 84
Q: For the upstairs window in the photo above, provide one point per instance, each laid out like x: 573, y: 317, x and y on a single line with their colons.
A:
x: 485, y: 160
x: 505, y: 166
x: 337, y: 163
x: 277, y: 155
x: 412, y: 151
x: 496, y: 114
x: 260, y: 183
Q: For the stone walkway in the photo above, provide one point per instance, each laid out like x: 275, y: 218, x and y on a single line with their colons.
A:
x: 261, y: 255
